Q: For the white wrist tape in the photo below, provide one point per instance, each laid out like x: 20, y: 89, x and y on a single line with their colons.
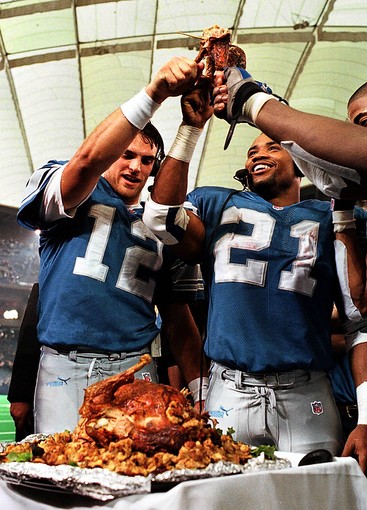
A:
x: 254, y: 104
x: 362, y: 403
x: 343, y: 220
x: 139, y: 109
x: 353, y: 339
x: 167, y: 222
x: 341, y: 259
x: 185, y: 142
x: 199, y: 388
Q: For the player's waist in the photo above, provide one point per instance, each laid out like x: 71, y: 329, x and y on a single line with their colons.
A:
x: 271, y: 379
x: 91, y: 352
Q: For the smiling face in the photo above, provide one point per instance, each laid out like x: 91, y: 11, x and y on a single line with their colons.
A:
x: 271, y: 171
x: 130, y: 172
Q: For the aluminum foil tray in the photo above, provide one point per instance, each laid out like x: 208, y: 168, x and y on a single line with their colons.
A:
x: 104, y: 485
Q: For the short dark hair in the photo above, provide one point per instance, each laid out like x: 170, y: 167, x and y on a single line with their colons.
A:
x: 150, y: 134
x: 360, y: 92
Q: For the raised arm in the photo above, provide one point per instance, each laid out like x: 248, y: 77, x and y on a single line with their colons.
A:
x: 241, y: 99
x: 110, y: 139
x: 164, y: 212
x: 322, y: 136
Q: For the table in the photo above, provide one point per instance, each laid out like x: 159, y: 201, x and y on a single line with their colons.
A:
x: 338, y: 485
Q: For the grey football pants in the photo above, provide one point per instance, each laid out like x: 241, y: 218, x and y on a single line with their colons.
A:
x: 294, y: 410
x: 62, y: 379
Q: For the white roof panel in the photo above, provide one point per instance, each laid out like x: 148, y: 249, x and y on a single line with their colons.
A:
x: 66, y: 65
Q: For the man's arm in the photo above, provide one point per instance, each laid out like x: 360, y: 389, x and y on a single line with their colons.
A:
x: 110, y: 139
x: 185, y: 345
x: 164, y: 213
x: 321, y: 136
x: 351, y: 268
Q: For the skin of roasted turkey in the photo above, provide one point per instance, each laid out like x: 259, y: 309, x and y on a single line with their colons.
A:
x: 156, y: 417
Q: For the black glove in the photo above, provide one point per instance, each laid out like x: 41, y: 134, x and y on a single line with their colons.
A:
x: 343, y: 205
x: 241, y: 86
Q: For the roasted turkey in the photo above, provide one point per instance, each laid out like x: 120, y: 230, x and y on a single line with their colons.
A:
x: 218, y: 52
x: 156, y: 417
x: 134, y: 427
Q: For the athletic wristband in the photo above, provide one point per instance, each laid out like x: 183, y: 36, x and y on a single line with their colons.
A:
x: 199, y: 388
x: 139, y: 109
x: 185, y: 142
x: 343, y: 220
x: 167, y: 222
x: 254, y: 104
x: 362, y: 403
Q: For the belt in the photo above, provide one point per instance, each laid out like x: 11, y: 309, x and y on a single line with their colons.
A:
x: 272, y: 379
x: 348, y: 410
x: 91, y: 352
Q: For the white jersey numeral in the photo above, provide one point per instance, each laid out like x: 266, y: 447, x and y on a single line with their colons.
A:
x: 254, y: 271
x: 135, y: 257
x: 298, y: 278
x: 91, y: 264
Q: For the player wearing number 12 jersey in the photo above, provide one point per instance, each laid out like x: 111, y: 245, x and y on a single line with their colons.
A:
x: 102, y: 274
x: 106, y: 262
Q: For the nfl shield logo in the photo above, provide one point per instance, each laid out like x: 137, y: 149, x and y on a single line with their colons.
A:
x: 317, y: 407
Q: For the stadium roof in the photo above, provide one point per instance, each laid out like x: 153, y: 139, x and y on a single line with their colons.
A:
x: 66, y: 64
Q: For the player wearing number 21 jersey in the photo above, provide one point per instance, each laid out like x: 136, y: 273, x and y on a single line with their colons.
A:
x: 269, y: 271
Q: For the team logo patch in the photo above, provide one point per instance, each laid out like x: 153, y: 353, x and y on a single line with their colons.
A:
x: 317, y: 407
x: 220, y: 413
x: 60, y: 382
x: 146, y: 376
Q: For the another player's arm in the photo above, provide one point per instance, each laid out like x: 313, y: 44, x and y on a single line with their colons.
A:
x: 186, y: 235
x: 321, y: 136
x: 164, y: 212
x: 351, y: 267
x: 186, y: 347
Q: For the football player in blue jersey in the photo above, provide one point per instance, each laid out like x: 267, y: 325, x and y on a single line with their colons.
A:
x: 269, y: 268
x: 102, y: 272
x: 316, y: 142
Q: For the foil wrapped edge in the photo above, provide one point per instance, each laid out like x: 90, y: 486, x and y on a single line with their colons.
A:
x: 223, y: 468
x: 96, y: 483
x: 103, y: 484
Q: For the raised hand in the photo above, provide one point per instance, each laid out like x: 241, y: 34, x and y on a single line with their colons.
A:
x: 232, y: 90
x: 195, y: 104
x: 173, y: 79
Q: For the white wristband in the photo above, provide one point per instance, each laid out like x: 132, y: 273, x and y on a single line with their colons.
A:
x: 199, y: 388
x: 139, y: 109
x: 343, y: 220
x: 362, y: 403
x: 254, y: 104
x: 185, y: 142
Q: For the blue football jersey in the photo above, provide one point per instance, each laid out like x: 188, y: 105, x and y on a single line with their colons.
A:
x: 99, y: 271
x: 270, y: 273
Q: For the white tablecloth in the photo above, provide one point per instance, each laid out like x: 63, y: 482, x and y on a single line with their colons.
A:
x: 338, y: 485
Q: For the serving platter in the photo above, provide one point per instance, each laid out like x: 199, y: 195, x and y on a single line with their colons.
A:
x: 104, y: 485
